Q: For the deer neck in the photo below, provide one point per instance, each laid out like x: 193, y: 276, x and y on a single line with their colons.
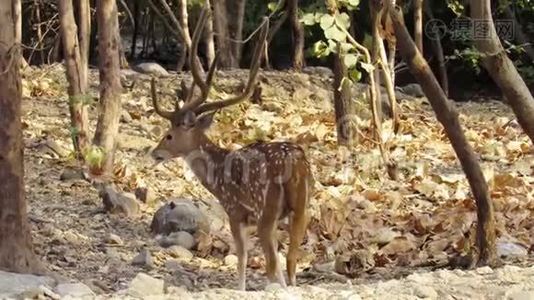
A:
x: 206, y: 161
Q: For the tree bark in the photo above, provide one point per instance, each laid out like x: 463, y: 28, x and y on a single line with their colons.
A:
x: 16, y: 250
x: 76, y: 70
x: 297, y: 35
x: 208, y: 37
x: 448, y: 117
x: 220, y: 24
x: 418, y: 24
x: 184, y: 23
x: 236, y: 28
x: 110, y: 85
x: 502, y: 69
x: 84, y: 37
x: 136, y: 16
x: 438, y: 50
x: 346, y: 133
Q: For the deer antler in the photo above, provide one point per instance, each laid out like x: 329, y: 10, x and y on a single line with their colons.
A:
x: 186, y: 94
x: 254, y: 69
x: 196, y: 104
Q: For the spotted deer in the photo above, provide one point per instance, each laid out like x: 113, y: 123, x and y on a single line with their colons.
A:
x: 258, y: 184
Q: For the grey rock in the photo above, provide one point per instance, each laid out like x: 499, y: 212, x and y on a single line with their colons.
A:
x: 180, y: 238
x: 179, y: 215
x: 144, y: 285
x: 40, y: 292
x: 230, y: 260
x: 427, y: 292
x: 113, y: 239
x: 76, y: 290
x: 126, y: 117
x: 13, y: 284
x: 144, y: 258
x: 412, y: 89
x: 521, y: 295
x: 511, y: 250
x: 119, y: 203
x: 320, y: 71
x: 145, y: 195
x: 72, y: 174
x: 151, y: 68
x: 179, y: 252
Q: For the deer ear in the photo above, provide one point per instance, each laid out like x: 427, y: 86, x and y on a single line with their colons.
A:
x: 205, y: 120
x: 190, y: 119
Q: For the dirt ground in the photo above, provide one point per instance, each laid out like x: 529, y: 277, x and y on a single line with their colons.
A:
x: 375, y: 229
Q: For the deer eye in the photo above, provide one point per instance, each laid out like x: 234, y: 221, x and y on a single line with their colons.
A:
x: 168, y: 137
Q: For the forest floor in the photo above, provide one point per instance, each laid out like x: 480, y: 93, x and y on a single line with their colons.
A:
x: 365, y: 226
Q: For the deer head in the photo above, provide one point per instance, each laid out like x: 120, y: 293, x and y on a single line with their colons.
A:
x: 190, y: 120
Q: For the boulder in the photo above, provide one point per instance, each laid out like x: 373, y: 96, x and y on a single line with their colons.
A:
x: 179, y: 215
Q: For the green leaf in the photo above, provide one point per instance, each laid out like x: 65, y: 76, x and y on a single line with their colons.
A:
x: 344, y: 81
x: 350, y: 60
x: 345, y: 47
x: 326, y: 21
x: 308, y: 19
x: 367, y: 67
x: 272, y: 6
x: 335, y: 34
x: 355, y: 75
x: 320, y: 49
x: 354, y: 3
x: 342, y: 20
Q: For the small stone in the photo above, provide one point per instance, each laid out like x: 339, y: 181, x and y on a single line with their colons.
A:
x: 521, y: 295
x: 273, y: 287
x: 126, y: 117
x: 119, y: 203
x: 484, y: 270
x: 173, y: 265
x: 145, y: 195
x: 76, y: 290
x: 231, y: 260
x: 425, y: 292
x: 181, y: 238
x: 511, y: 250
x: 40, y: 292
x: 179, y: 252
x: 349, y: 295
x: 151, y: 68
x: 113, y: 239
x: 71, y: 174
x: 144, y: 285
x: 13, y: 284
x: 144, y: 258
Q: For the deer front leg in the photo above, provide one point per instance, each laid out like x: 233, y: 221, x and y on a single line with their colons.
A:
x: 240, y: 239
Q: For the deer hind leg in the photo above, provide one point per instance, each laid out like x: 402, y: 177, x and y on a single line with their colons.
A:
x: 240, y: 239
x: 267, y: 234
x: 298, y: 223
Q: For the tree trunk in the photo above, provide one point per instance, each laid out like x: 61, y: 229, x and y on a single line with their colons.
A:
x: 84, y: 36
x: 519, y: 35
x: 76, y: 70
x: 236, y: 27
x: 297, y: 35
x: 346, y: 133
x: 438, y: 50
x: 137, y: 15
x: 418, y: 24
x: 448, y: 117
x: 16, y: 251
x: 220, y: 24
x: 110, y: 85
x: 502, y: 69
x: 208, y: 37
x: 184, y: 23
